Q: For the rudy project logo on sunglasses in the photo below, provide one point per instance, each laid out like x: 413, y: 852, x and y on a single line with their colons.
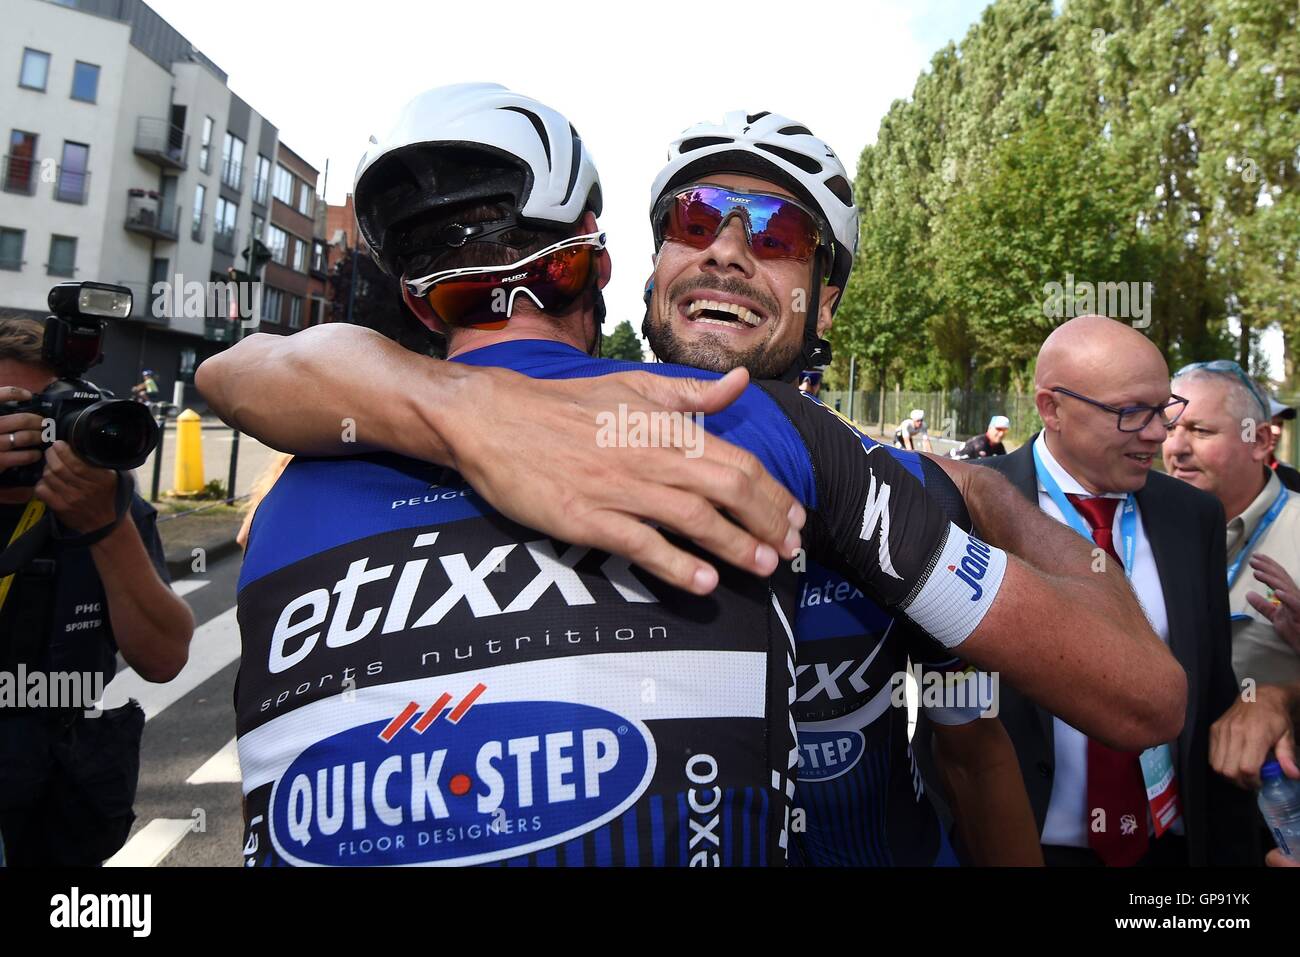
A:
x: 460, y: 781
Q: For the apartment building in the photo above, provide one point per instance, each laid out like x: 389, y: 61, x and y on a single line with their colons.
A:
x: 129, y: 160
x: 294, y: 283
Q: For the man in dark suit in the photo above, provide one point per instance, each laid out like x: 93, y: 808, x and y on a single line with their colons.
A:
x: 1102, y: 390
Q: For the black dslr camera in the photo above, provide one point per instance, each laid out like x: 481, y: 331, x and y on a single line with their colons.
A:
x: 106, y: 432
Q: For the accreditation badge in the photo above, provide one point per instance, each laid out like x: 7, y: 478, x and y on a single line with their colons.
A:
x: 1162, y: 787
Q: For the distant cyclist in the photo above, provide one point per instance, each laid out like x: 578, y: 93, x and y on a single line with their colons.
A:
x: 913, y: 429
x: 146, y: 390
x: 987, y: 443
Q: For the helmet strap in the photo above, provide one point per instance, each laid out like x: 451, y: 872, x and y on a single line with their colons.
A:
x: 598, y: 314
x: 816, y: 351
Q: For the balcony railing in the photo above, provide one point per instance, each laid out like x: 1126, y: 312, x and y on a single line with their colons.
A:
x: 146, y: 215
x: 196, y: 228
x: 71, y: 185
x: 223, y: 241
x: 232, y: 174
x: 160, y: 141
x: 18, y: 175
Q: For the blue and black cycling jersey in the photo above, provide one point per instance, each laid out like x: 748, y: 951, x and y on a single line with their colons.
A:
x: 424, y: 681
x: 861, y: 800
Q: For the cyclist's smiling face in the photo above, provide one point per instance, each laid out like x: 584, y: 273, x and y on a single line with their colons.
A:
x: 721, y: 307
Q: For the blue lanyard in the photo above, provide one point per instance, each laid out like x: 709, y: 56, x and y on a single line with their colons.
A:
x: 1270, y: 516
x: 1127, y: 521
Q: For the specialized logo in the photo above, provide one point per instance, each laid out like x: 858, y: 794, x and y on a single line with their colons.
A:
x: 460, y: 782
x: 876, y: 513
x: 973, y: 566
x: 824, y: 755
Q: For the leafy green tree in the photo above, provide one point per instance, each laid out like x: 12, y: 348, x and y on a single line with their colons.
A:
x: 622, y: 343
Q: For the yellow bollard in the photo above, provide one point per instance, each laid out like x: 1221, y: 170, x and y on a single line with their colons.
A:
x: 188, y: 476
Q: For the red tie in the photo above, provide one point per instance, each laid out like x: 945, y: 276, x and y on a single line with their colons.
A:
x: 1115, y: 783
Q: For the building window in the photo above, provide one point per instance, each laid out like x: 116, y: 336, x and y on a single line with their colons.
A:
x: 85, y: 82
x: 272, y: 303
x: 306, y: 199
x: 11, y: 248
x: 232, y: 161
x: 63, y: 256
x: 317, y: 256
x: 223, y: 222
x: 36, y: 70
x: 283, y: 186
x: 74, y: 174
x: 278, y: 242
x: 20, y: 163
x: 200, y: 200
x: 299, y: 255
x: 262, y: 181
x: 295, y: 312
x: 205, y: 147
x: 259, y: 228
x: 158, y: 273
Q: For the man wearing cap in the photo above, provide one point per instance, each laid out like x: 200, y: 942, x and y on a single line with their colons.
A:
x: 907, y: 434
x: 1281, y: 413
x: 988, y: 443
x: 1222, y: 445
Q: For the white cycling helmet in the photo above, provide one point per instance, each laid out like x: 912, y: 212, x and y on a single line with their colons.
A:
x: 472, y: 142
x: 777, y: 148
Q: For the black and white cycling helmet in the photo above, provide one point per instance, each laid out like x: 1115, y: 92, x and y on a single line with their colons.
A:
x: 472, y: 142
x: 776, y: 148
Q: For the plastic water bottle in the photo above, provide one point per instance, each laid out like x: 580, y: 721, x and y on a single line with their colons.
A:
x: 1279, y: 802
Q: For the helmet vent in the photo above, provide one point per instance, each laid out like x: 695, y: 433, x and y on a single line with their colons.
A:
x: 805, y: 163
x: 700, y: 142
x: 755, y: 117
x: 839, y: 186
x: 795, y: 131
x: 574, y: 165
x: 538, y: 126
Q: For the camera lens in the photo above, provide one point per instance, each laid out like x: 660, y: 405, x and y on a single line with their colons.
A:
x: 113, y: 434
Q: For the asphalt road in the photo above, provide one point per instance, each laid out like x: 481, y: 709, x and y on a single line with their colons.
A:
x: 188, y: 802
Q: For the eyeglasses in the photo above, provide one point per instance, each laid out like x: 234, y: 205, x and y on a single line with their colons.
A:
x: 776, y: 227
x: 1135, y: 418
x: 484, y: 296
x: 1227, y: 367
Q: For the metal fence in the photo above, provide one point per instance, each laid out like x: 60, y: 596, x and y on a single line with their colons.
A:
x: 957, y: 415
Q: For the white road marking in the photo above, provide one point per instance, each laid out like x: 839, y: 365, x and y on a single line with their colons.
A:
x: 152, y: 843
x: 187, y: 585
x: 215, y: 645
x: 221, y: 768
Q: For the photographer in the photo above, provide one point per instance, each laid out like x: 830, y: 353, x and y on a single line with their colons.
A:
x: 67, y: 781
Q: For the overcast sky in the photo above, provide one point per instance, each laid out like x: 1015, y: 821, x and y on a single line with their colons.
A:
x: 630, y: 75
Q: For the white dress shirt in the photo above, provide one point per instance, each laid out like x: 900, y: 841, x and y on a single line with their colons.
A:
x: 1067, y: 813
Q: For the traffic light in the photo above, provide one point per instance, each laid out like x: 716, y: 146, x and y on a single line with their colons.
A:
x: 261, y: 255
